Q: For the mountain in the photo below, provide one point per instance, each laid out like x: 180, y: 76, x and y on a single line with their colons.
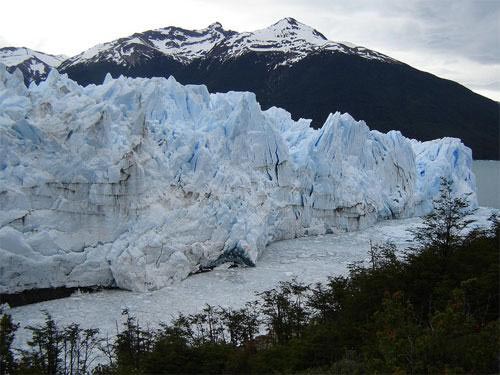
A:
x: 179, y: 52
x: 139, y: 182
x: 295, y: 67
x: 34, y: 65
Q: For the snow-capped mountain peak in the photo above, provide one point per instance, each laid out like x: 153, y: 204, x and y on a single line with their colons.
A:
x: 10, y: 56
x: 214, y: 26
x: 290, y: 27
x: 294, y: 40
x: 180, y: 44
x: 187, y: 45
x: 34, y: 65
x: 288, y: 36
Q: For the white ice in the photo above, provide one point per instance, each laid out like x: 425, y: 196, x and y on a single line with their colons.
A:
x: 137, y: 183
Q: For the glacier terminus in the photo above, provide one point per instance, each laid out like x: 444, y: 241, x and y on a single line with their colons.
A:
x: 137, y: 183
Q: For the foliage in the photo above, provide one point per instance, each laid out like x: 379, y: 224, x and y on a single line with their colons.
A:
x: 69, y: 350
x: 7, y: 333
x: 442, y: 227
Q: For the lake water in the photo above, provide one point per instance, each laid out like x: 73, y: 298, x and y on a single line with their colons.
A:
x: 488, y: 182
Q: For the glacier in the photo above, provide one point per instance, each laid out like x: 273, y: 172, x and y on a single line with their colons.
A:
x: 138, y: 183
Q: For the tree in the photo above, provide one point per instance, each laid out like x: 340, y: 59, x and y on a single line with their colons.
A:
x: 132, y: 343
x: 7, y: 333
x: 396, y: 335
x: 327, y: 301
x: 442, y: 228
x: 45, y: 348
x: 79, y: 348
x: 242, y: 324
x: 382, y: 255
x: 285, y: 310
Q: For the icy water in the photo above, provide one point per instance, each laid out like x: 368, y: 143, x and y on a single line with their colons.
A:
x: 309, y: 259
x: 488, y: 182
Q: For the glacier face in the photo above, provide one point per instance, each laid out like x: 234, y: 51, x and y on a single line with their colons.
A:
x: 139, y: 182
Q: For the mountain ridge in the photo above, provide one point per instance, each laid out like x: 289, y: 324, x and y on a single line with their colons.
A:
x: 287, y: 36
x: 34, y: 65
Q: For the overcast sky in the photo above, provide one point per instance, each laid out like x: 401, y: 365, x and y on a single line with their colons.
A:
x: 454, y: 39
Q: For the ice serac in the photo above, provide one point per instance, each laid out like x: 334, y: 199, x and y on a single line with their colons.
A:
x: 139, y: 182
x: 446, y: 157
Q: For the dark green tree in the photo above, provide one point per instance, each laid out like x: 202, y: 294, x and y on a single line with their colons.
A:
x: 79, y: 349
x: 442, y: 228
x: 7, y: 333
x: 241, y: 324
x: 45, y: 348
x: 396, y: 336
x: 132, y: 344
x: 327, y: 301
x: 285, y: 310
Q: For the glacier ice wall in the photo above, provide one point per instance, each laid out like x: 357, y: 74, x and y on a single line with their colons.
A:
x: 139, y: 182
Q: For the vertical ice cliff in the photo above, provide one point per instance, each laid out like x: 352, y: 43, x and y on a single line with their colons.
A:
x: 139, y: 182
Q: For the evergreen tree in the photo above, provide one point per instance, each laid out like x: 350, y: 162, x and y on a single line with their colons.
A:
x: 442, y: 228
x: 45, y: 349
x: 7, y: 333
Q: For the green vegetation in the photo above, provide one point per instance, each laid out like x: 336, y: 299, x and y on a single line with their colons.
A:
x: 433, y: 310
x: 7, y: 333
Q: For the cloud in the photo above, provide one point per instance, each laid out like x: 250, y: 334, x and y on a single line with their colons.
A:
x: 489, y: 86
x: 3, y: 42
x: 455, y: 39
x: 468, y: 28
x: 458, y: 40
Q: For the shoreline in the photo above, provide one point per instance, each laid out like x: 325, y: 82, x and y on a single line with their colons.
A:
x: 32, y: 296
